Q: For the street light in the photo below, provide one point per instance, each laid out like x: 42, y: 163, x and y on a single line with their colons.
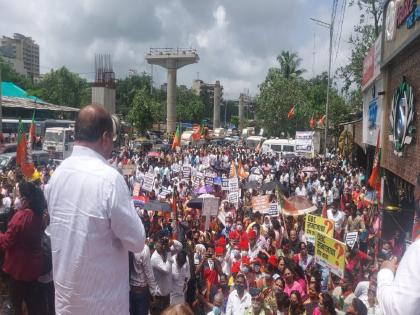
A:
x: 330, y: 26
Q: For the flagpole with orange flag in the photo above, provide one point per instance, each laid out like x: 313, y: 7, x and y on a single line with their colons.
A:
x: 177, y: 139
x: 291, y: 112
x: 374, y: 179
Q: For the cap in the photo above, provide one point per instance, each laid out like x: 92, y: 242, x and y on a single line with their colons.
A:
x: 236, y: 267
x: 221, y: 242
x: 276, y: 276
x: 272, y: 260
x: 243, y: 244
x: 219, y: 250
x: 233, y: 235
x: 245, y: 260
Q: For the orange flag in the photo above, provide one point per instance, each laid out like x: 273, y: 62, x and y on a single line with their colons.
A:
x: 232, y: 172
x: 177, y: 139
x: 291, y: 112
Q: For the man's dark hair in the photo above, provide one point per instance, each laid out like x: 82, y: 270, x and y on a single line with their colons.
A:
x: 92, y: 121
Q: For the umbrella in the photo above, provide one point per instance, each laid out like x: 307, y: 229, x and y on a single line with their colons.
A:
x: 154, y: 205
x: 197, y: 203
x: 250, y: 185
x: 270, y: 185
x: 153, y: 154
x: 139, y: 201
x: 297, y: 205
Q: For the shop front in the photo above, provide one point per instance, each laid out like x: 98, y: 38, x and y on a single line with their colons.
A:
x: 400, y: 138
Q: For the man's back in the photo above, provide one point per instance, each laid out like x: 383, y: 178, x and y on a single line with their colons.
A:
x: 93, y: 226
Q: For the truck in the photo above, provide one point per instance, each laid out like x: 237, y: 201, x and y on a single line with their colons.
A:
x: 308, y: 143
x: 58, y: 142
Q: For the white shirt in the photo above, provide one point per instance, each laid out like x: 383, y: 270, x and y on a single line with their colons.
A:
x: 237, y: 306
x: 93, y: 225
x: 337, y: 217
x: 361, y: 292
x: 301, y: 191
x: 163, y: 273
x: 400, y: 295
x: 180, y: 276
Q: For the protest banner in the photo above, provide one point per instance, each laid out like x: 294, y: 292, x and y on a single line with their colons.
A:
x: 210, y: 207
x: 164, y: 193
x: 273, y: 209
x: 128, y: 169
x: 136, y: 189
x: 233, y: 197
x: 225, y: 183
x: 186, y: 171
x: 233, y: 184
x: 209, y: 180
x: 351, y: 239
x: 149, y: 179
x: 176, y: 168
x: 206, y: 162
x: 260, y: 203
x: 330, y: 253
x: 199, y: 175
x: 314, y: 224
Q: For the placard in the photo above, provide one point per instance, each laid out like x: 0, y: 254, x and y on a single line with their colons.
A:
x: 351, y: 239
x: 136, y: 189
x: 314, y: 224
x: 209, y: 181
x: 260, y: 203
x: 233, y: 197
x: 176, y: 168
x: 164, y: 193
x: 199, y: 175
x: 210, y: 206
x: 330, y: 253
x: 128, y: 169
x: 225, y: 183
x: 233, y: 184
x: 186, y: 171
x: 273, y: 209
x: 149, y: 179
x: 206, y: 162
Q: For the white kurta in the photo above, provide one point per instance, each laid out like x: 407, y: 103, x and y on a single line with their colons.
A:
x: 180, y: 276
x: 401, y: 295
x: 93, y: 226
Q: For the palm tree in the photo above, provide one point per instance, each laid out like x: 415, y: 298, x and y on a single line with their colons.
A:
x: 289, y: 65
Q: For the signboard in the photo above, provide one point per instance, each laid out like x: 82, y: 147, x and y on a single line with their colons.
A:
x: 273, y: 209
x: 225, y: 183
x: 304, y: 141
x: 136, y: 189
x: 315, y: 224
x: 210, y: 206
x: 149, y: 179
x: 351, y: 239
x: 176, y: 168
x: 233, y: 184
x: 186, y: 171
x: 372, y: 64
x: 330, y: 253
x: 233, y: 197
x: 260, y: 203
x: 372, y: 112
x: 128, y: 169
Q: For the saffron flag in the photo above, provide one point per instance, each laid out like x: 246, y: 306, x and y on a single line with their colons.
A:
x: 291, y: 112
x: 232, y: 172
x: 241, y: 171
x: 21, y: 147
x: 177, y: 139
x: 321, y: 121
x: 32, y: 133
x: 196, y: 133
x: 374, y: 179
x: 312, y: 122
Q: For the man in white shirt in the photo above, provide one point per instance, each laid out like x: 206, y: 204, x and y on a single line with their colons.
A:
x: 399, y: 294
x: 301, y: 190
x: 239, y: 299
x: 338, y: 217
x: 93, y: 223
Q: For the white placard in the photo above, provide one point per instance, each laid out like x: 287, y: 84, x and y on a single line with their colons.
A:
x: 225, y: 183
x: 273, y: 209
x: 164, y: 193
x: 351, y: 239
x: 186, y: 171
x: 210, y: 206
x: 149, y: 179
x: 206, y: 162
x: 128, y: 169
x: 209, y: 180
x: 136, y: 189
x: 233, y: 184
x: 199, y: 175
x: 176, y: 168
x: 233, y: 197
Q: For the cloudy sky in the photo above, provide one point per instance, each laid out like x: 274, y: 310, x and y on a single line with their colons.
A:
x: 237, y: 40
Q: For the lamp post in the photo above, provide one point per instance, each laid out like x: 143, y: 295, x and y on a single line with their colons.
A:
x: 330, y: 26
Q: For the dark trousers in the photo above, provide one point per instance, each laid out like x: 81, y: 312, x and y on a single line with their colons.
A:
x: 159, y: 304
x: 29, y: 292
x: 48, y: 294
x: 139, y: 302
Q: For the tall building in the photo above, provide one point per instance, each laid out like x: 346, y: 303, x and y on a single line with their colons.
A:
x: 22, y: 53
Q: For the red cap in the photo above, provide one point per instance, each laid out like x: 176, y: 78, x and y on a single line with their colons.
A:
x: 243, y: 244
x: 272, y: 260
x: 236, y: 267
x: 252, y: 234
x: 221, y: 241
x: 219, y: 250
x: 233, y: 235
x: 245, y: 260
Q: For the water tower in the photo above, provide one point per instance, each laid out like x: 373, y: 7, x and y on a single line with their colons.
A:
x: 171, y: 59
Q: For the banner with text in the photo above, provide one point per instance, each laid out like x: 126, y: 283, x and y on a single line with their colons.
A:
x: 314, y: 224
x: 260, y: 203
x: 330, y: 253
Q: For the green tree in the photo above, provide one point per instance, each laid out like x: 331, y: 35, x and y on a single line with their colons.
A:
x: 63, y: 87
x: 289, y: 65
x: 8, y: 74
x: 144, y: 110
x: 126, y: 90
x: 189, y: 106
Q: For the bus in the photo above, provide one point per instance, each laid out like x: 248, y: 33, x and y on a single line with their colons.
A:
x: 10, y: 126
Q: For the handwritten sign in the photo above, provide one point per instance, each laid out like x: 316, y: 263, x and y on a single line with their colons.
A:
x: 233, y: 197
x: 314, y: 224
x: 149, y: 179
x: 233, y: 184
x: 260, y: 203
x: 273, y: 209
x: 330, y: 253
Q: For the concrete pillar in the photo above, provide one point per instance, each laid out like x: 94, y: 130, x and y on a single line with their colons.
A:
x: 171, y: 101
x: 216, y: 105
x: 241, y: 112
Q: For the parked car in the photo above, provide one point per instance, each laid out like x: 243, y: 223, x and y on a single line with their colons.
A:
x: 8, y: 160
x: 8, y: 147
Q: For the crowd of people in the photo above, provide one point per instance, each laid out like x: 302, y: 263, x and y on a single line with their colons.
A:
x: 105, y: 251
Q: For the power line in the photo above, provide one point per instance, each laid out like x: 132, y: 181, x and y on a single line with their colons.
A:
x: 343, y: 10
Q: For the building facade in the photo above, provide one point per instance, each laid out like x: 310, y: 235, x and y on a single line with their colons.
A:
x: 22, y: 53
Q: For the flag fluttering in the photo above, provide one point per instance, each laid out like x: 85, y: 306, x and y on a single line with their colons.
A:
x: 232, y: 172
x: 196, y: 132
x: 177, y: 139
x: 374, y: 179
x: 291, y: 112
x: 312, y: 122
x: 321, y: 121
x: 24, y: 153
